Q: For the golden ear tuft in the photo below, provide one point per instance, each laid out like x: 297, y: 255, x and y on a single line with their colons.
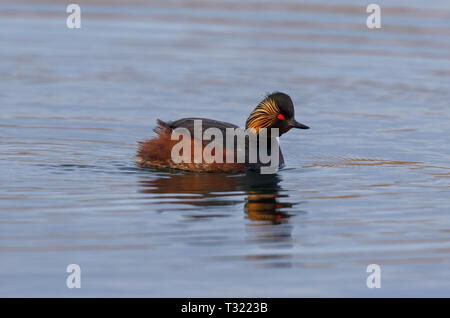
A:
x: 263, y: 116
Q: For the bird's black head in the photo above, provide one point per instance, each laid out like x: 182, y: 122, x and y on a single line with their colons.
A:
x: 275, y: 111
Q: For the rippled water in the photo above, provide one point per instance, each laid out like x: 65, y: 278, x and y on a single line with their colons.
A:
x: 368, y: 183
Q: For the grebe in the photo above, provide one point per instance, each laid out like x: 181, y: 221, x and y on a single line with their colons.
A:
x: 275, y: 111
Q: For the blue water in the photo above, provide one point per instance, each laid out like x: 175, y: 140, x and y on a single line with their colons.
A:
x: 367, y: 184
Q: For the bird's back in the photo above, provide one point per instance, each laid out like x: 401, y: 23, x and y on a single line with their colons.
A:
x: 188, y: 123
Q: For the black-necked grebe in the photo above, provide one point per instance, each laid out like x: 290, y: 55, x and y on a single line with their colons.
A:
x: 275, y: 111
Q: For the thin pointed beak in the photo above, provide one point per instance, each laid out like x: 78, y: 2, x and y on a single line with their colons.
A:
x: 296, y: 124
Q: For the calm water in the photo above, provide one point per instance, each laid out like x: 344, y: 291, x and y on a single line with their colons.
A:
x: 368, y: 183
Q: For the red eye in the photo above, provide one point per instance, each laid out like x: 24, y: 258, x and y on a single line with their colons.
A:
x: 280, y: 116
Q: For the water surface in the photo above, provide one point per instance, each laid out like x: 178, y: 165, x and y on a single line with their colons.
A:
x: 368, y: 183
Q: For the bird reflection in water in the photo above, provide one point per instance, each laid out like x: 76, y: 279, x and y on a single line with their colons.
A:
x: 208, y: 193
x: 206, y: 190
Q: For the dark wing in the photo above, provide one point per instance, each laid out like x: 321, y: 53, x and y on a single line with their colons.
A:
x: 206, y: 123
x: 188, y: 123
